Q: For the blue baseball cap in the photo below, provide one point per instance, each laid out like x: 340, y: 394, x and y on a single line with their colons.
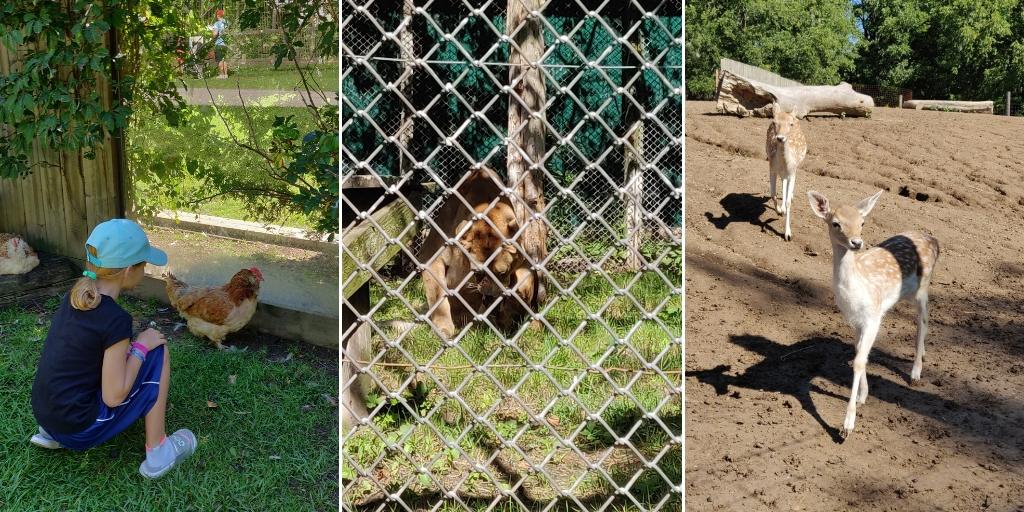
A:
x: 122, y: 243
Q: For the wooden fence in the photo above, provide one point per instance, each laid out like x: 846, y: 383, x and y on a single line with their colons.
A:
x: 760, y: 74
x: 66, y: 195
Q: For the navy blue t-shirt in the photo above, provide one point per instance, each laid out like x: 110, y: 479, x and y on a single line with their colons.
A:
x: 66, y: 391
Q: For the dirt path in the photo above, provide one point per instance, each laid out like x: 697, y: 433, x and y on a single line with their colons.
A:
x: 768, y: 356
x: 235, y: 97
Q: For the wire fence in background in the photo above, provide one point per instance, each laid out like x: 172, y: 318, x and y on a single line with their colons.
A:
x: 1016, y: 105
x: 560, y: 386
x: 885, y: 96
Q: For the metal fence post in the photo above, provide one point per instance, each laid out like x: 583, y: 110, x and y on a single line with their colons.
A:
x: 1007, y: 102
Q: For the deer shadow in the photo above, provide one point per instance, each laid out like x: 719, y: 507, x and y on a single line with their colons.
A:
x: 746, y: 208
x: 789, y: 370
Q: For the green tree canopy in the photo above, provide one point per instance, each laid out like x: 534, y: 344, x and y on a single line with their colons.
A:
x: 811, y: 41
x: 939, y: 49
x: 961, y: 49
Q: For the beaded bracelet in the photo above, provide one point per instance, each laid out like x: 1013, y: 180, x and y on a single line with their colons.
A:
x: 138, y: 354
x: 142, y: 348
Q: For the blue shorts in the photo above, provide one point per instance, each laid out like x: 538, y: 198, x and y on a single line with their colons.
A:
x: 112, y: 421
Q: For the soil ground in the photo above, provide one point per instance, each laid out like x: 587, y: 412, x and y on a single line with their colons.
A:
x: 769, y: 357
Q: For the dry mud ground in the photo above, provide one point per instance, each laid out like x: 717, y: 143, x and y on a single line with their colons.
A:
x: 768, y: 358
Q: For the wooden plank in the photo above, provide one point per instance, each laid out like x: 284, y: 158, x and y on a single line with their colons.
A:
x: 12, y: 211
x: 356, y: 347
x: 53, y: 193
x: 35, y: 224
x: 364, y: 240
x: 368, y: 181
x: 74, y: 204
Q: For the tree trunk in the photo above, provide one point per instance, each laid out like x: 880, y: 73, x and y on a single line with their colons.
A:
x: 526, y: 132
x: 745, y: 97
x: 981, y: 107
x: 633, y: 159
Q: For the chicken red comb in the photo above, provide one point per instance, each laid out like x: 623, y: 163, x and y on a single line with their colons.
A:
x: 259, y: 275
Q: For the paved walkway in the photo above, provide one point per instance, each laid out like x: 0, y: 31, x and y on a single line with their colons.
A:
x: 233, y: 97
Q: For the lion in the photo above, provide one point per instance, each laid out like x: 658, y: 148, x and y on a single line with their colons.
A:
x: 447, y: 267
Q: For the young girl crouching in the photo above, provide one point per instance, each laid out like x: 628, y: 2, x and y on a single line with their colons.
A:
x: 93, y: 382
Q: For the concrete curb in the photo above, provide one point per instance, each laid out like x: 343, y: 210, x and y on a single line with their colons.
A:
x: 242, y: 230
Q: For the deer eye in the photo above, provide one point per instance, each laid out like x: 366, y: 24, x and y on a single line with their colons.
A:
x: 835, y: 225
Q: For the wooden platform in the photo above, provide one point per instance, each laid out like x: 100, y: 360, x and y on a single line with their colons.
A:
x: 54, y: 275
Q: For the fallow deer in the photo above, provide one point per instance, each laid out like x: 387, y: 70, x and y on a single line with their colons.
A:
x: 868, y: 282
x: 786, y: 147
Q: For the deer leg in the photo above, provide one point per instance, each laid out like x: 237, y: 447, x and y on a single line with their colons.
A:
x: 922, y: 331
x: 860, y: 363
x: 785, y: 185
x: 862, y: 392
x: 771, y: 187
x: 789, y: 205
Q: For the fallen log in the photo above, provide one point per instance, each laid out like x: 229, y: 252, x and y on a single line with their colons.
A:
x: 747, y: 97
x: 979, y: 107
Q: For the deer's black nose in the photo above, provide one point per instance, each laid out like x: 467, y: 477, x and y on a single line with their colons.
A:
x: 857, y: 244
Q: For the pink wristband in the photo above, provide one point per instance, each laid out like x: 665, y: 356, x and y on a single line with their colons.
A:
x: 142, y: 348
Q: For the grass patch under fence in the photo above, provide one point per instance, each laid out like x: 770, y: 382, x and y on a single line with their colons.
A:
x: 480, y: 370
x: 285, y: 78
x: 269, y: 444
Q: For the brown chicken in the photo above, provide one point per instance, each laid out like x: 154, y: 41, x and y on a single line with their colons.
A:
x: 215, y: 312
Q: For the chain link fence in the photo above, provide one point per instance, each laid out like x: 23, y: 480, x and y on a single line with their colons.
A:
x: 512, y: 255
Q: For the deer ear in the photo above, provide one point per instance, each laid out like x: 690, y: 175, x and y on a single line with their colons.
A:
x: 819, y: 203
x: 865, y: 206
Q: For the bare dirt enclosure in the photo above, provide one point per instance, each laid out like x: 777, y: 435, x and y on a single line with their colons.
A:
x: 769, y: 357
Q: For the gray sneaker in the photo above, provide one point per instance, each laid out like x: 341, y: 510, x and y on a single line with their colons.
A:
x: 43, y: 440
x: 184, y: 444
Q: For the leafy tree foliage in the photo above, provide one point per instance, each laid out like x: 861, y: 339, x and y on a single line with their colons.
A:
x: 69, y: 50
x: 940, y: 49
x: 54, y: 95
x: 811, y: 41
x: 961, y: 49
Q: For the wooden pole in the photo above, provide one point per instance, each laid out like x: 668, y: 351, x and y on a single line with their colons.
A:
x: 526, y: 147
x: 408, y: 52
x: 633, y: 159
x: 1007, y: 102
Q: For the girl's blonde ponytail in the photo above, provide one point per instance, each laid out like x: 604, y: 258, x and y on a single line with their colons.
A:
x: 85, y: 296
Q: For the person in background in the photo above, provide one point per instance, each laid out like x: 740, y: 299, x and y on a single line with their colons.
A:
x: 220, y: 48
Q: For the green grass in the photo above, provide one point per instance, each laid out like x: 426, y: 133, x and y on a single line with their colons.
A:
x: 431, y: 445
x: 286, y: 78
x: 158, y: 153
x: 271, y: 444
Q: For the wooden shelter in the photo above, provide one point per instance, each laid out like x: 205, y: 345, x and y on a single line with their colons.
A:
x: 67, y: 194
